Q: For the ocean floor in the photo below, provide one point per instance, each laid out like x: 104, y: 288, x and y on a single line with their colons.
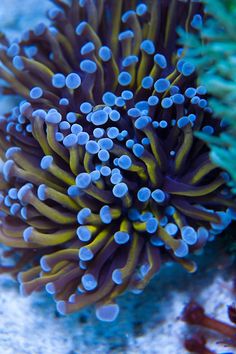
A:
x: 18, y: 16
x: 148, y: 323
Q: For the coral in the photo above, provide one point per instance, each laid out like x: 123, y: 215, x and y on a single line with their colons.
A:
x: 197, y: 344
x: 212, y: 49
x: 194, y: 314
x: 102, y: 175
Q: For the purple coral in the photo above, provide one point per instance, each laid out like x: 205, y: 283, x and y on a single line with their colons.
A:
x: 102, y: 174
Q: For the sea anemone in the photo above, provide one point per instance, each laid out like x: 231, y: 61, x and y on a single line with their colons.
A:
x: 102, y: 174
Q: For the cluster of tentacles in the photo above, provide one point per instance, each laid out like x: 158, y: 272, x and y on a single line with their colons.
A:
x: 102, y: 175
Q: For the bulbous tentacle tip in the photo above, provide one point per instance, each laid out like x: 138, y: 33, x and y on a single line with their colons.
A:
x: 85, y: 254
x: 107, y: 313
x: 89, y: 282
x: 41, y: 193
x: 46, y: 162
x: 61, y: 307
x: 182, y: 250
x: 44, y: 264
x: 11, y: 151
x: 6, y: 169
x: 27, y: 233
x: 50, y: 288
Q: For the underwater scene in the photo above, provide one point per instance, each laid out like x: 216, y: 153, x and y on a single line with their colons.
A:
x: 117, y: 176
